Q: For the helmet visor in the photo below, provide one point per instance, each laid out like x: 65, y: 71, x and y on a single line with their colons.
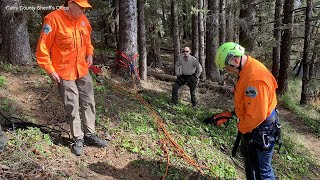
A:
x: 228, y: 59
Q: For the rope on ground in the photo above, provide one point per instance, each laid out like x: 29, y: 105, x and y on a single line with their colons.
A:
x: 161, y: 128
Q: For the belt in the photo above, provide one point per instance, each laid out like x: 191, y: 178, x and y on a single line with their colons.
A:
x: 271, y: 118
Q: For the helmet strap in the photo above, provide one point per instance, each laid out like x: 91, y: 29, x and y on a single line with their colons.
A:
x: 240, y: 65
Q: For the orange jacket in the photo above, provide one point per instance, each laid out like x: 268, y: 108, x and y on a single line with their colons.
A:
x: 64, y: 44
x: 255, y: 95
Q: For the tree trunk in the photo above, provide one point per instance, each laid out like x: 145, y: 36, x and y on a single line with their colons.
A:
x: 230, y: 22
x: 305, y: 59
x: 286, y: 40
x: 156, y: 51
x: 236, y: 15
x: 247, y: 13
x: 142, y: 41
x: 201, y: 39
x: 277, y: 37
x: 15, y: 37
x: 313, y: 58
x: 195, y: 34
x: 222, y: 27
x: 212, y: 40
x: 184, y: 21
x: 128, y: 32
x: 315, y: 50
x: 175, y: 31
x: 116, y: 18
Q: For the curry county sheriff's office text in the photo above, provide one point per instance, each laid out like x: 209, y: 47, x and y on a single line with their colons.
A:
x: 33, y: 8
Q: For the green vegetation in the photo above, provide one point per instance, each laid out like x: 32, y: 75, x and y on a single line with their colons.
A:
x: 2, y: 81
x: 310, y: 114
x: 135, y: 132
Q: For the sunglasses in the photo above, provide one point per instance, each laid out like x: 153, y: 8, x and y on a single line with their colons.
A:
x: 184, y: 51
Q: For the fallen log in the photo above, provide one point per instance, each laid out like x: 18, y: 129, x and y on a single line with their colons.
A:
x: 161, y: 76
x: 208, y: 85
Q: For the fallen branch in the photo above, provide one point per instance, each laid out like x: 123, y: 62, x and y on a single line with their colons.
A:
x: 207, y: 85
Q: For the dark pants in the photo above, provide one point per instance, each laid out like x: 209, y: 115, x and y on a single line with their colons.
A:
x: 257, y: 149
x: 191, y: 81
x: 3, y: 140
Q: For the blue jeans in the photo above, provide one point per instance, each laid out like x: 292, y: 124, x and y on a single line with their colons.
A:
x: 257, y: 155
x: 265, y: 167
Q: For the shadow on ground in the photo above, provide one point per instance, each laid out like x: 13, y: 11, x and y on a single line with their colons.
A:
x: 144, y: 169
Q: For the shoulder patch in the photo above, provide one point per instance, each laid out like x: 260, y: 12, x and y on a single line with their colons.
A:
x: 46, y: 29
x: 83, y: 23
x: 251, y: 92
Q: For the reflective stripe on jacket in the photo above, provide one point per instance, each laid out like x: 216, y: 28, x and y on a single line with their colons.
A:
x: 255, y: 95
x: 64, y: 44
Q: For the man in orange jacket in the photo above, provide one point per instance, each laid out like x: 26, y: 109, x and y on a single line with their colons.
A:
x: 65, y: 52
x: 255, y: 102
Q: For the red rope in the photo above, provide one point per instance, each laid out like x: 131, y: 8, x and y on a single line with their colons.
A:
x: 129, y: 64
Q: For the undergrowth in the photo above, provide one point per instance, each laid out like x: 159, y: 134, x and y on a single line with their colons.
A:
x: 309, y: 114
x: 135, y: 131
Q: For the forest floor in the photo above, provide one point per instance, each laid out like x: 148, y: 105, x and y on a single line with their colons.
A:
x: 39, y: 102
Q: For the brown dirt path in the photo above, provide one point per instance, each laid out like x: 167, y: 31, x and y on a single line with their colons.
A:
x: 303, y: 134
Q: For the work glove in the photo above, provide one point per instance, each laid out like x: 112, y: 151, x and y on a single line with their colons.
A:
x: 219, y: 119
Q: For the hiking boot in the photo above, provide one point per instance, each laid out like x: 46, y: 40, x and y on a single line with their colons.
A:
x: 77, y: 147
x: 94, y: 140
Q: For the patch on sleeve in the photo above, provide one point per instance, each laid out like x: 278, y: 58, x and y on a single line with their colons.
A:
x: 83, y: 23
x: 47, y: 29
x: 251, y: 92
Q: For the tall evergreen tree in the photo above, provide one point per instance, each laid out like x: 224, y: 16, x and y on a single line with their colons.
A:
x: 15, y: 37
x: 285, y: 46
x: 142, y: 40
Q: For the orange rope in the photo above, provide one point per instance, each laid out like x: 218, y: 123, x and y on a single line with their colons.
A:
x: 159, y: 121
x: 164, y: 148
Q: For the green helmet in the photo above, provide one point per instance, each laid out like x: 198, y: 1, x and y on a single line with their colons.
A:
x: 227, y: 51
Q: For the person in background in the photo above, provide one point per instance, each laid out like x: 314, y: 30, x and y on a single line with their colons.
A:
x: 188, y: 71
x: 65, y: 52
x: 255, y: 104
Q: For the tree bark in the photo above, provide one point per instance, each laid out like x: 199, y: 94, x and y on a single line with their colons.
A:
x: 212, y: 40
x: 142, y: 41
x: 115, y: 15
x: 15, y: 37
x: 312, y: 61
x: 175, y: 31
x: 247, y: 13
x: 222, y: 26
x: 195, y: 34
x: 277, y: 37
x: 185, y: 29
x: 201, y: 40
x: 128, y: 31
x: 315, y: 50
x: 285, y: 46
x: 305, y: 59
x: 230, y: 22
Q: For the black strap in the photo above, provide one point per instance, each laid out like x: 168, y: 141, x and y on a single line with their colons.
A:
x: 236, y: 144
x: 22, y: 124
